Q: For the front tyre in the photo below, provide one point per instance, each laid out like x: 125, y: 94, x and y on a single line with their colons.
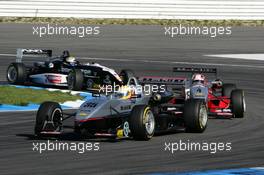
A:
x: 16, y: 73
x: 49, y: 118
x: 142, y: 123
x: 195, y: 115
x: 238, y: 103
x: 75, y: 80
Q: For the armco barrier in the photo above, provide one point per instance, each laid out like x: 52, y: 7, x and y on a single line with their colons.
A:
x: 136, y: 9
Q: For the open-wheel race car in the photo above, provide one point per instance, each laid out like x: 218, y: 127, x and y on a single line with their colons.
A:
x: 127, y: 112
x: 222, y: 99
x: 62, y: 71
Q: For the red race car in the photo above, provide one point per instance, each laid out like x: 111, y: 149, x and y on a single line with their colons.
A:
x: 223, y: 99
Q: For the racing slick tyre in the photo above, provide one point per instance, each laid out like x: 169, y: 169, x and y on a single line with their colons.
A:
x: 126, y: 74
x: 238, y: 103
x: 75, y: 80
x: 195, y: 115
x: 49, y: 118
x: 142, y: 123
x: 16, y: 73
x: 227, y: 89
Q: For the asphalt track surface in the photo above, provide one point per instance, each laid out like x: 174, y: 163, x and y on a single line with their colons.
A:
x: 149, y: 46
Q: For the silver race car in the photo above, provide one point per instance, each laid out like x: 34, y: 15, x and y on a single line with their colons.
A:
x: 128, y: 112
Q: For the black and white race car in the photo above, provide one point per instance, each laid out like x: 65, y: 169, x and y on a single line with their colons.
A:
x: 62, y: 71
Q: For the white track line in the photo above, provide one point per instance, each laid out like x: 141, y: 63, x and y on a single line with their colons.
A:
x: 8, y: 55
x: 165, y: 62
x: 255, y: 56
x: 175, y: 62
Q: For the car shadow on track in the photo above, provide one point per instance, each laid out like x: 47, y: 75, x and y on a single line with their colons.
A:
x: 170, y: 132
x: 71, y: 136
x: 220, y: 118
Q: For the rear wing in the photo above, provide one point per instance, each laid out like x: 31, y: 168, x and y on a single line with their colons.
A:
x: 193, y: 70
x: 32, y: 52
x: 162, y: 80
x: 174, y: 84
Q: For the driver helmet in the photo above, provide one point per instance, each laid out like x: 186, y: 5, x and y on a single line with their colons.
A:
x: 65, y: 54
x: 218, y: 83
x: 127, y: 92
x: 70, y: 59
x: 198, y: 78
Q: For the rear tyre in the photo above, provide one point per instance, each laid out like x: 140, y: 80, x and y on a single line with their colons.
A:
x: 16, y: 73
x: 75, y: 80
x: 142, y: 123
x: 195, y: 115
x: 227, y: 89
x: 125, y: 75
x: 238, y: 103
x: 49, y: 118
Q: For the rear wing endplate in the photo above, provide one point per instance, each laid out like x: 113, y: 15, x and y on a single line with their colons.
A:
x: 32, y: 52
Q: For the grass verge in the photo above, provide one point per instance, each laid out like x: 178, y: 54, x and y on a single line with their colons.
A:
x: 23, y: 96
x: 167, y: 22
